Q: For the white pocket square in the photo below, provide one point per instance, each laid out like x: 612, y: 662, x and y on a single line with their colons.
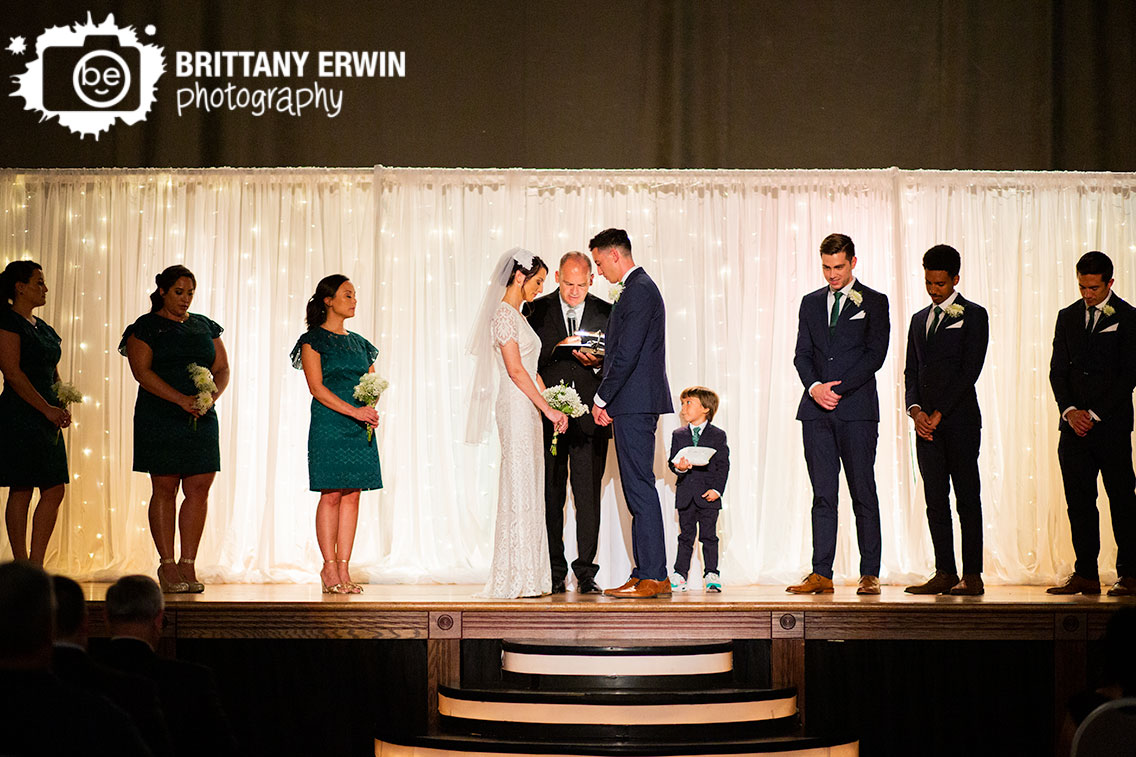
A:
x: 858, y: 316
x: 1113, y: 327
x: 955, y: 325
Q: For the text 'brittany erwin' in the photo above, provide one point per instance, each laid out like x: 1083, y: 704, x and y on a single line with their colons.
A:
x: 289, y: 63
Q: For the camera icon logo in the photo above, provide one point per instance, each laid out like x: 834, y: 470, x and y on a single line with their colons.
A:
x: 102, y: 74
x: 89, y: 76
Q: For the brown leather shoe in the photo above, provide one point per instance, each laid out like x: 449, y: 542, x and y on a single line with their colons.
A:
x: 629, y: 585
x: 813, y: 583
x: 868, y: 585
x: 1075, y: 584
x: 1125, y: 586
x: 645, y: 588
x: 970, y: 586
x: 940, y: 583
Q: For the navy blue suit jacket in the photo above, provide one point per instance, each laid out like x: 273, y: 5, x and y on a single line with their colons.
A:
x: 853, y: 353
x: 635, y: 358
x: 1095, y: 371
x: 698, y: 480
x: 940, y: 372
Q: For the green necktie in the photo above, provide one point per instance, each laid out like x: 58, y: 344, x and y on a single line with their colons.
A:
x: 1092, y: 319
x: 696, y: 433
x: 935, y: 323
x: 835, y: 312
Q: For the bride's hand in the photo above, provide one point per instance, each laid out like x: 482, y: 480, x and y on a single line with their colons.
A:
x: 559, y: 420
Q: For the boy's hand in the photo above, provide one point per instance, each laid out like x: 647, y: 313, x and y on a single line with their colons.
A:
x: 710, y: 495
x: 683, y: 465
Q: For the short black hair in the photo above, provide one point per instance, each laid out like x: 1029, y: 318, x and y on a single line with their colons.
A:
x: 70, y: 606
x: 611, y: 238
x: 1095, y: 262
x: 27, y: 610
x: 134, y: 598
x: 943, y: 257
x: 834, y: 244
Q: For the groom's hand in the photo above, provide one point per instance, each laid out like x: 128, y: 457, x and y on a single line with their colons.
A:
x: 600, y: 416
x: 823, y: 395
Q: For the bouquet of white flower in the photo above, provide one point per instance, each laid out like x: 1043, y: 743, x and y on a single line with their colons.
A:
x: 203, y: 382
x: 368, y: 390
x: 565, y: 399
x: 67, y: 395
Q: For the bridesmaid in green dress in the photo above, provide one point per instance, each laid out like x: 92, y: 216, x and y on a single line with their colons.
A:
x: 342, y: 461
x: 32, y: 454
x: 174, y: 441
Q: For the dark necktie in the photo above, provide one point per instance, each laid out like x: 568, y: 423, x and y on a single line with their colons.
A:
x: 1092, y: 319
x: 935, y: 322
x: 835, y: 312
x: 695, y: 433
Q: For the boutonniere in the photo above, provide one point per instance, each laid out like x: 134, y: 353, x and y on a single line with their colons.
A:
x: 1108, y: 311
x: 856, y: 297
x: 954, y: 310
x: 616, y: 290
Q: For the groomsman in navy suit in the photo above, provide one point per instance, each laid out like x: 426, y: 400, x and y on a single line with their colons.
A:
x: 946, y: 347
x: 583, y: 448
x: 633, y: 393
x: 842, y: 340
x: 1093, y: 372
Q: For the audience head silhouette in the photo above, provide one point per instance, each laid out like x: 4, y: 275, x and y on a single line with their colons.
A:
x: 27, y: 607
x: 135, y: 607
x: 70, y: 611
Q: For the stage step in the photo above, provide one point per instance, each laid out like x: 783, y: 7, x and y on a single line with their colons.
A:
x: 595, y: 665
x: 637, y: 715
x: 465, y: 746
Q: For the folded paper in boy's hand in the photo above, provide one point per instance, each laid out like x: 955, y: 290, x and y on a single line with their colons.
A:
x: 695, y: 455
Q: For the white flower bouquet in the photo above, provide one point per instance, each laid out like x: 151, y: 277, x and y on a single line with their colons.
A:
x: 203, y: 382
x: 565, y: 399
x: 67, y: 394
x: 370, y: 387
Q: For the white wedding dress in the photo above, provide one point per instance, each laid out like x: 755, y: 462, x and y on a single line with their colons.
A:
x: 520, y: 566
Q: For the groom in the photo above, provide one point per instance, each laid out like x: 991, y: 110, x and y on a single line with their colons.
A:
x: 634, y: 391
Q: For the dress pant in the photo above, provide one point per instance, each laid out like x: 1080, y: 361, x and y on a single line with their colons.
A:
x: 829, y: 443
x: 1109, y: 453
x: 635, y: 449
x: 694, y: 519
x: 581, y: 460
x: 952, y: 458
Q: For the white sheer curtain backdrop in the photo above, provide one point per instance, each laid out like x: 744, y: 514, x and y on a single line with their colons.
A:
x: 732, y: 251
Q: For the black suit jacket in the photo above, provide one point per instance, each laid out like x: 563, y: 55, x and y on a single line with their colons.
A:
x: 852, y: 353
x: 547, y: 320
x: 1095, y: 371
x: 940, y: 372
x: 695, y: 482
x: 133, y: 694
x: 189, y: 696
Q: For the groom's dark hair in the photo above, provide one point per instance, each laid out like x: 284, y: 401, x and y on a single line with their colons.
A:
x: 943, y: 257
x: 835, y: 244
x: 611, y: 238
x: 1095, y: 262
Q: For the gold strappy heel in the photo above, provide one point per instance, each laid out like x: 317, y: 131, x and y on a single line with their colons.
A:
x: 351, y: 586
x: 334, y: 588
x: 195, y: 587
x: 177, y: 587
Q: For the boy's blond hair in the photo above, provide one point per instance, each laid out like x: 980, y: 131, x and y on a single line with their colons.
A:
x: 706, y: 396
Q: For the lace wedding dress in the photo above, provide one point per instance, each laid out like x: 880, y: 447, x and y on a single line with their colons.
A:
x: 520, y: 566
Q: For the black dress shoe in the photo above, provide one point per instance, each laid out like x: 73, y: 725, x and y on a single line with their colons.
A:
x: 588, y: 587
x: 558, y: 587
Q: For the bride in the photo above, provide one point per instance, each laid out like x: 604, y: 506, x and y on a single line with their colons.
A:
x: 505, y: 344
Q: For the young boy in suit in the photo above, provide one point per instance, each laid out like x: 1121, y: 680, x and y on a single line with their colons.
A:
x: 698, y: 493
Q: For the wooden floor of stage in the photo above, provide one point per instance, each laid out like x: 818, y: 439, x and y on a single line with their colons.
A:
x: 449, y: 611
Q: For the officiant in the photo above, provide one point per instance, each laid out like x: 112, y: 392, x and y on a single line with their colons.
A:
x: 557, y: 319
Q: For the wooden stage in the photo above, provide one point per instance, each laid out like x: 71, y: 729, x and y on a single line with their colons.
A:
x: 444, y: 615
